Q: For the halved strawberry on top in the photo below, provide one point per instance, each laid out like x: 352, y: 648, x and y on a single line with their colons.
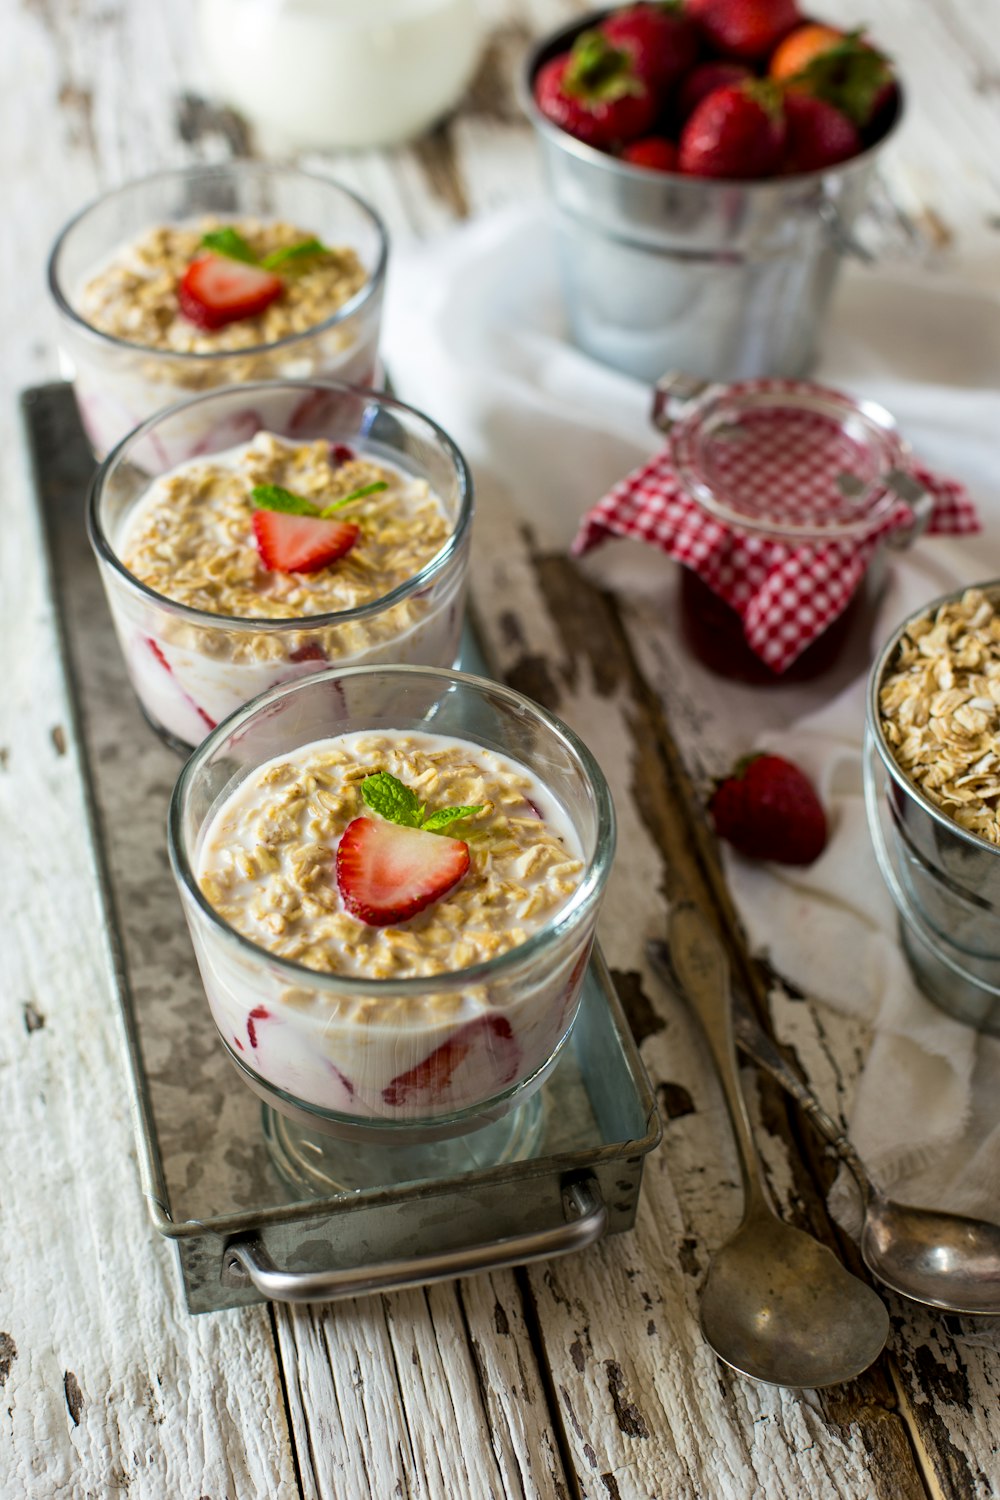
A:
x: 387, y: 873
x: 301, y: 544
x: 216, y: 290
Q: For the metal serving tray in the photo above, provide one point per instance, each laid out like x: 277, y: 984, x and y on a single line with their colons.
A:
x: 242, y: 1233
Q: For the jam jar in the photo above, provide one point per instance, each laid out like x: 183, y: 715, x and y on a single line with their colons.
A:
x: 790, y: 462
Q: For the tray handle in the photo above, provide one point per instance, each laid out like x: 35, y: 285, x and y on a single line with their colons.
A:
x: 585, y: 1214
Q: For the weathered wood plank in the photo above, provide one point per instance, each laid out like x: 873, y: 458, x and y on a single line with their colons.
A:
x: 108, y: 1384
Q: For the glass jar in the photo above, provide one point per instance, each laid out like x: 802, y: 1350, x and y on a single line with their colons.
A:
x: 789, y: 462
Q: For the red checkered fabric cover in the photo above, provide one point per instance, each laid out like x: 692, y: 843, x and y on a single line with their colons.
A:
x: 785, y: 593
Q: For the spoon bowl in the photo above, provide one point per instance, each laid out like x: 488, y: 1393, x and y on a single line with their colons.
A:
x: 944, y: 1260
x: 778, y: 1306
x: 938, y: 1258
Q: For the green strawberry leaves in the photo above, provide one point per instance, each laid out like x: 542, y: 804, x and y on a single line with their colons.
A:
x: 397, y: 803
x: 851, y: 76
x: 598, y: 71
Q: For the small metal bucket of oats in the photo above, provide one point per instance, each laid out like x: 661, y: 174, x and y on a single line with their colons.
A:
x: 934, y: 725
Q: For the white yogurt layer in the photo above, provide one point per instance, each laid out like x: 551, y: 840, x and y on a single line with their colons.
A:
x: 266, y: 863
x: 120, y: 388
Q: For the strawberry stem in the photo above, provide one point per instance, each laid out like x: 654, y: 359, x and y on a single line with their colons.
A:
x: 598, y: 71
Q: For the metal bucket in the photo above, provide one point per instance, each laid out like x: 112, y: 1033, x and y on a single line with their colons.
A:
x: 726, y: 280
x: 944, y: 879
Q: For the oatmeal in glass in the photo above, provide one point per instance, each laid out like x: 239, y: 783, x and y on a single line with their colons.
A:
x: 388, y: 857
x: 274, y: 557
x: 169, y: 289
x: 210, y: 276
x: 392, y: 878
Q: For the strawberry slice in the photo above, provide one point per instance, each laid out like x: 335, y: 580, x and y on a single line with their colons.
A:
x: 311, y: 651
x: 157, y: 651
x: 259, y: 1013
x: 431, y: 1079
x: 301, y: 544
x: 387, y: 872
x: 215, y: 290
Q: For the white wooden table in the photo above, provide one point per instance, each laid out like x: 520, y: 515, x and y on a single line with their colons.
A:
x: 588, y: 1377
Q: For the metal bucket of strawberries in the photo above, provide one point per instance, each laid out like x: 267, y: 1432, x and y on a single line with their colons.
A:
x: 707, y: 162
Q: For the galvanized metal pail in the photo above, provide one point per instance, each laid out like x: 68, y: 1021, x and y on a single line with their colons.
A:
x: 944, y: 879
x: 722, y: 279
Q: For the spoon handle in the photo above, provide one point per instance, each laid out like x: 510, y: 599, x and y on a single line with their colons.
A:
x: 699, y: 961
x: 754, y: 1041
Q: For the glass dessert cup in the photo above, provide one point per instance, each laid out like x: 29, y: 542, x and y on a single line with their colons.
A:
x: 336, y: 1058
x: 119, y: 384
x: 191, y: 668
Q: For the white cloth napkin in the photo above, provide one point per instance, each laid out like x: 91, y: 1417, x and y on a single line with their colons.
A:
x: 475, y: 336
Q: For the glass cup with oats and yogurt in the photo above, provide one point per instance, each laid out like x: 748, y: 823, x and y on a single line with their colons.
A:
x: 319, y: 523
x: 392, y: 879
x: 211, y: 276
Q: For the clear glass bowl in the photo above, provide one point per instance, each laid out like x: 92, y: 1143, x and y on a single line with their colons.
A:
x: 119, y: 384
x: 295, y: 1034
x: 190, y: 668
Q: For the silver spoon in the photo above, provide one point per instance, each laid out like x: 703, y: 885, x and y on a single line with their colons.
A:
x: 942, y: 1259
x: 777, y: 1305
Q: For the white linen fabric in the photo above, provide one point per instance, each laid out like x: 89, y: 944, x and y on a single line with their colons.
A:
x: 476, y: 337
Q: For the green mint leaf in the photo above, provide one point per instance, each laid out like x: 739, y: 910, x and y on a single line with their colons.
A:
x: 302, y: 251
x: 446, y: 815
x: 273, y: 497
x: 366, y: 489
x: 227, y: 242
x: 392, y: 800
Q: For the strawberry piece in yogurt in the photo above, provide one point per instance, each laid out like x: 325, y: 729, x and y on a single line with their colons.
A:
x: 432, y: 1078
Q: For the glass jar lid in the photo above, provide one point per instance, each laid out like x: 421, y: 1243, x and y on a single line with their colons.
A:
x: 789, y: 459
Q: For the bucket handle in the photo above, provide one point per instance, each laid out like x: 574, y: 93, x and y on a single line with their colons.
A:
x: 673, y: 394
x: 840, y: 236
x: 921, y: 502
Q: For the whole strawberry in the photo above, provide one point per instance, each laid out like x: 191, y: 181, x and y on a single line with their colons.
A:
x: 748, y: 29
x: 768, y: 809
x: 842, y: 69
x: 595, y: 93
x: 818, y: 135
x: 704, y: 80
x: 660, y: 39
x: 735, y: 132
x: 654, y: 152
